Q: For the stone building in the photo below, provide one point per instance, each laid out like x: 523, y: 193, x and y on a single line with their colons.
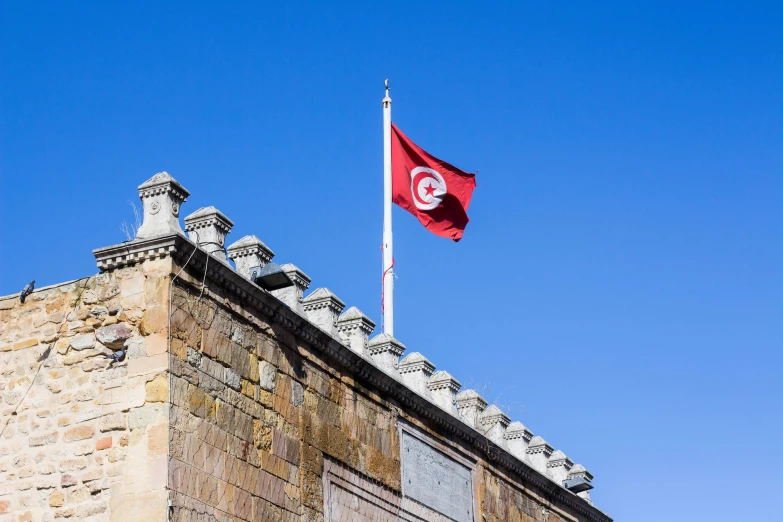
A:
x: 224, y: 401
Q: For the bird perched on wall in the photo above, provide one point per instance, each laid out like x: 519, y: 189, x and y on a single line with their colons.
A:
x: 27, y: 290
x: 117, y: 356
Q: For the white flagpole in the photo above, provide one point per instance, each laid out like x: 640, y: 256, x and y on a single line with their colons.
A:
x: 388, y: 256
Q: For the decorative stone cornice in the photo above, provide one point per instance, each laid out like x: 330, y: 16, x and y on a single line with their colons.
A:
x: 208, y: 227
x: 297, y: 276
x: 558, y: 458
x: 385, y: 350
x: 493, y: 416
x: 579, y: 471
x: 161, y: 197
x: 249, y: 252
x: 416, y: 362
x: 355, y: 328
x: 517, y: 430
x: 443, y: 380
x: 415, y: 371
x: 136, y: 251
x: 268, y: 308
x: 539, y: 445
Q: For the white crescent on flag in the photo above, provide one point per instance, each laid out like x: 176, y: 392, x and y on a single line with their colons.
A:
x: 427, y: 187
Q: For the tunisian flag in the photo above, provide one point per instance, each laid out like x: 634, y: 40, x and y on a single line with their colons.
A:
x: 437, y: 193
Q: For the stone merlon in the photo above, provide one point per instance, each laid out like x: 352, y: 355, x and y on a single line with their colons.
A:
x: 444, y: 387
x: 494, y: 423
x: 470, y: 405
x: 385, y: 350
x: 415, y: 371
x: 161, y: 196
x: 292, y: 295
x: 249, y: 252
x: 323, y: 308
x: 355, y: 328
x: 208, y: 228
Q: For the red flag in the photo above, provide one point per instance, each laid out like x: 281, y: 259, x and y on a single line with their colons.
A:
x: 437, y: 193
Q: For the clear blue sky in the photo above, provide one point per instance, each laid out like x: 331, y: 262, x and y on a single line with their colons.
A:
x: 620, y: 286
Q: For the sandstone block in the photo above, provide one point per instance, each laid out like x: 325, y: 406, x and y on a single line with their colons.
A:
x: 25, y: 344
x: 56, y: 499
x: 157, y: 343
x: 157, y: 390
x: 158, y: 440
x: 79, y: 432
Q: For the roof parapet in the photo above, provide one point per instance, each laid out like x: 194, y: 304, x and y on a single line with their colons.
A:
x: 161, y: 196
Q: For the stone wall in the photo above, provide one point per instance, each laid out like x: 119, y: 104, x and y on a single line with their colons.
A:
x: 84, y: 437
x: 261, y: 419
x: 255, y: 411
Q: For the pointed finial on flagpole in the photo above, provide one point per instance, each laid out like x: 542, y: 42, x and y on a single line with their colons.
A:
x: 386, y: 100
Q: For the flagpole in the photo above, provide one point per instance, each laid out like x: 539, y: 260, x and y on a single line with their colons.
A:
x: 388, y: 256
